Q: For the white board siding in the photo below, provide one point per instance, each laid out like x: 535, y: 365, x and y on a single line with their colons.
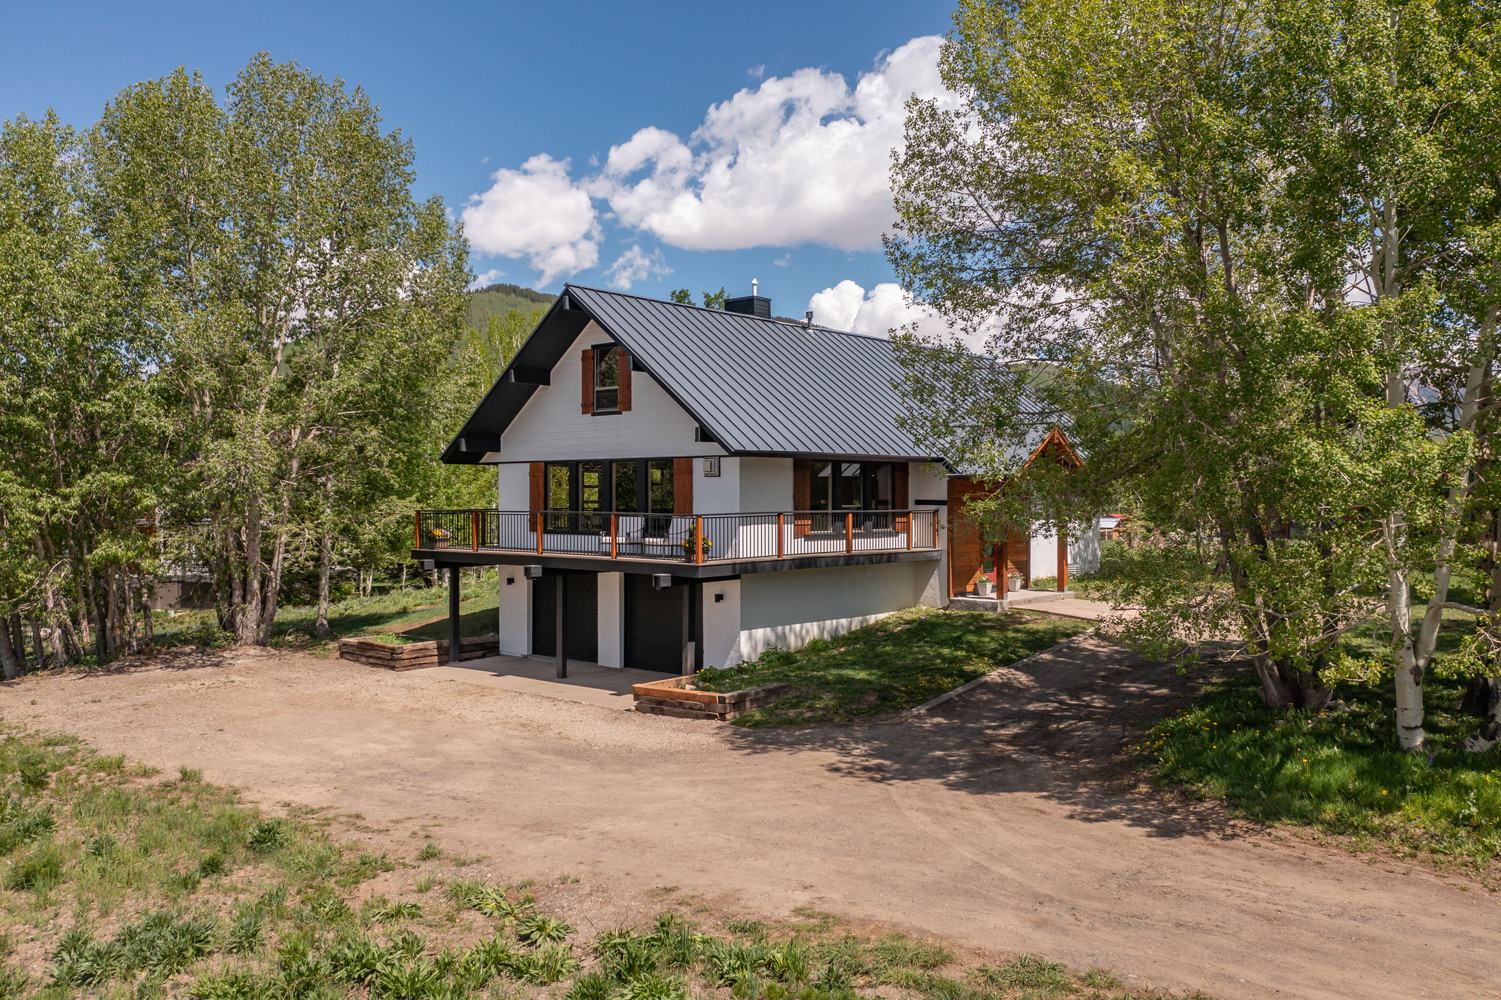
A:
x: 717, y: 494
x: 514, y: 487
x: 765, y: 484
x: 1084, y: 551
x: 552, y: 427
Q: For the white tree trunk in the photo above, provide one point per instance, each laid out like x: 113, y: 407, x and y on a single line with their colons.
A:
x: 1409, y: 674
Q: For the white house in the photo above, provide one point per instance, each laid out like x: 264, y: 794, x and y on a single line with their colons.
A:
x: 683, y: 487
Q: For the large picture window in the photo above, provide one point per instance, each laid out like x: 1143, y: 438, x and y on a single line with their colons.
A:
x: 628, y: 486
x: 835, y: 485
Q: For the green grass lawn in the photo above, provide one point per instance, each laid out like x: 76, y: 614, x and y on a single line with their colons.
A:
x: 408, y: 613
x: 897, y: 663
x: 116, y: 881
x: 1340, y: 771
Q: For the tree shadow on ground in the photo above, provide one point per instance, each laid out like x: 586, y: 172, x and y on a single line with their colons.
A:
x: 1060, y: 725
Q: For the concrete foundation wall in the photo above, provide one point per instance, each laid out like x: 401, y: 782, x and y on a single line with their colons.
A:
x: 790, y: 609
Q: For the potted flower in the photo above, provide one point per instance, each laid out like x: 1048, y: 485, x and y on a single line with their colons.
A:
x: 985, y: 586
x: 1014, y: 582
x: 688, y: 546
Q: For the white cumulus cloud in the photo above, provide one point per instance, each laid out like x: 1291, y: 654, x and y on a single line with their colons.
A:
x: 537, y: 213
x: 848, y: 306
x: 637, y: 265
x: 790, y: 160
x: 797, y: 159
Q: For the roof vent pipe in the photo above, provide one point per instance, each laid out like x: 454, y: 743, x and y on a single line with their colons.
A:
x: 754, y: 283
x: 808, y: 318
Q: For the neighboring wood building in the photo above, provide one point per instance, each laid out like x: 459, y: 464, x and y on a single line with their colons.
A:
x: 669, y: 475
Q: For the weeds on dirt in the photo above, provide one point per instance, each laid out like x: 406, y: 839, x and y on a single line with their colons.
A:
x: 897, y: 663
x: 212, y: 901
x: 1339, y: 770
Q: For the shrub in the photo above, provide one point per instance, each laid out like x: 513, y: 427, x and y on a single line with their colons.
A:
x: 268, y: 835
x: 536, y: 929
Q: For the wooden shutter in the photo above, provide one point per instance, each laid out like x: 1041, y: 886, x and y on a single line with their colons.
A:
x: 588, y: 380
x: 539, y: 486
x: 682, y: 486
x: 900, y: 499
x: 625, y: 380
x: 802, y: 494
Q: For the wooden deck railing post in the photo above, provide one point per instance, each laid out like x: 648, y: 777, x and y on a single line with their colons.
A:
x: 908, y: 519
x: 935, y: 530
x: 474, y: 530
x: 849, y: 531
x: 537, y: 522
x: 417, y: 530
x: 781, y: 531
x: 614, y: 535
x: 698, y: 538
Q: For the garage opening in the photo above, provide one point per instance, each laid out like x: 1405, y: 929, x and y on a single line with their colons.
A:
x: 581, y: 621
x: 660, y: 623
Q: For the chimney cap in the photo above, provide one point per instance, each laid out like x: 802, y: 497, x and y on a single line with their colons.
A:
x: 750, y: 305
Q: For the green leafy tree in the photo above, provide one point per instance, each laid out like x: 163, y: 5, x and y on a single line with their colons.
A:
x: 1119, y: 202
x: 310, y: 301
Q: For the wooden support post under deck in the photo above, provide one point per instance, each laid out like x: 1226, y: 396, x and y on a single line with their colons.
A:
x: 560, y: 640
x: 453, y: 614
x: 1062, y: 558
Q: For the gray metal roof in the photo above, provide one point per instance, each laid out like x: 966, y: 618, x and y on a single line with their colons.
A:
x: 763, y: 385
x: 755, y: 385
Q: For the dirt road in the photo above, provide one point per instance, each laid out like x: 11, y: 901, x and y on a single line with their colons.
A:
x: 987, y: 822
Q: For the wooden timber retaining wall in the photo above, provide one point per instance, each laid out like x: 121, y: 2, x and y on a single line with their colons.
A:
x: 415, y: 655
x: 669, y: 697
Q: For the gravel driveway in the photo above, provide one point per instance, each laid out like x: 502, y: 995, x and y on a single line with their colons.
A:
x: 995, y: 821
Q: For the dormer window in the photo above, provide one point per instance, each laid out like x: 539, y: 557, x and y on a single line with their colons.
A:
x: 606, y: 379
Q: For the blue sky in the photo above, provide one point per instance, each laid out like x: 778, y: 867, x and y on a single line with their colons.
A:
x: 515, y: 110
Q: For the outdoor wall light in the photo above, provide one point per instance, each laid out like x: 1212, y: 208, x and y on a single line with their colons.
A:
x: 661, y: 581
x: 718, y: 598
x: 711, y: 467
x: 510, y: 580
x: 532, y: 572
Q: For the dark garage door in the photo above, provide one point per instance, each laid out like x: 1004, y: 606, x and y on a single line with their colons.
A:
x: 582, y: 625
x: 655, y: 625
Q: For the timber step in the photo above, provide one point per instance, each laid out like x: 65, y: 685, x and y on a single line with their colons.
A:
x: 415, y: 655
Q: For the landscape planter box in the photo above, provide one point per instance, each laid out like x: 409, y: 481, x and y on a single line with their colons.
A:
x: 669, y: 697
x: 414, y: 655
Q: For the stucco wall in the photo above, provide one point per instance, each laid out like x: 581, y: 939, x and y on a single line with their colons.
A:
x: 611, y: 619
x: 930, y: 482
x: 765, y: 484
x: 552, y: 427
x: 515, y: 612
x: 717, y: 494
x: 722, y: 623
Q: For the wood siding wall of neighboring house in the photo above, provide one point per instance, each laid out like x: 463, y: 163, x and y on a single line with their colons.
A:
x: 625, y: 382
x: 802, y: 493
x: 586, y: 380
